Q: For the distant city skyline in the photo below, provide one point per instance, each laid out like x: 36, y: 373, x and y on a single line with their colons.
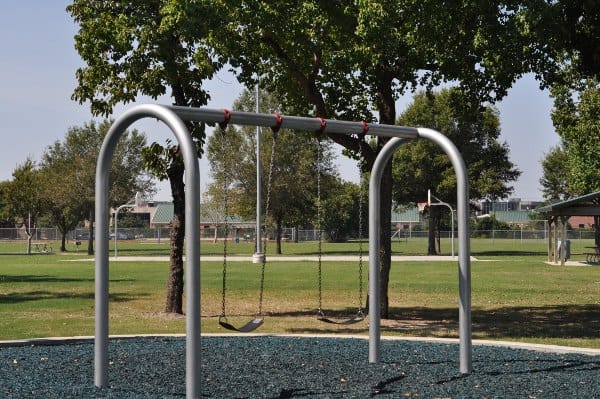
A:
x: 38, y: 76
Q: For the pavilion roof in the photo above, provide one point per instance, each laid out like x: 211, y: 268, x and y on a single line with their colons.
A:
x: 585, y: 205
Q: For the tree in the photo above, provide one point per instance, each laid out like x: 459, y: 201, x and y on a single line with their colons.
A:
x: 142, y: 47
x: 6, y: 219
x: 342, y: 59
x: 554, y: 179
x: 293, y: 191
x: 575, y: 118
x: 348, y: 60
x: 69, y: 170
x: 474, y: 130
x: 563, y: 37
x: 23, y: 197
x: 340, y: 213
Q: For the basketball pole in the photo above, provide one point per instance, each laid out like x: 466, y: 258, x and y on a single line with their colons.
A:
x: 442, y: 203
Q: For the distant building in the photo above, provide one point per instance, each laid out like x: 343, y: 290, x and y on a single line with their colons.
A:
x: 512, y: 204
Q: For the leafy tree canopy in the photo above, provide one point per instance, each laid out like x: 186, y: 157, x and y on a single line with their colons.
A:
x: 575, y: 119
x: 473, y: 129
x: 294, y: 155
x: 554, y: 180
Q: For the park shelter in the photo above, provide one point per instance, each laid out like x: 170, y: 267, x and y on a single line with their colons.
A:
x: 558, y: 214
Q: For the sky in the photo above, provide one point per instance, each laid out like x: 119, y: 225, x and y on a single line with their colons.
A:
x: 37, y: 77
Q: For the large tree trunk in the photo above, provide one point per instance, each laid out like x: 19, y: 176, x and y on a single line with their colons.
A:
x: 29, y: 238
x: 278, y: 234
x: 174, y: 302
x: 433, y: 212
x: 597, y: 231
x: 63, y: 241
x: 385, y: 253
x: 387, y: 116
x: 90, y: 249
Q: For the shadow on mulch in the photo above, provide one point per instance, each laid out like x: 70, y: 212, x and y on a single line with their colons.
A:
x: 556, y: 321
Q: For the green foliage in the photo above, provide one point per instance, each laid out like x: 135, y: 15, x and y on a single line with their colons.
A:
x: 69, y: 173
x: 554, y: 180
x: 141, y: 47
x: 421, y: 165
x: 6, y: 220
x: 22, y: 196
x: 563, y: 38
x: 340, y: 212
x: 293, y: 191
x: 490, y: 223
x: 576, y: 121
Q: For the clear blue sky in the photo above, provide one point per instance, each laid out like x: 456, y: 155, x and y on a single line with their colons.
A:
x: 37, y: 76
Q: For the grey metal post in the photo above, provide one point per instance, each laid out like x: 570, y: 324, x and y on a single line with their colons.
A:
x: 192, y: 236
x: 464, y: 251
x: 374, y: 243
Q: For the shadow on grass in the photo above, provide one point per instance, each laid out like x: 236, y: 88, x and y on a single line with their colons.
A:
x: 40, y: 295
x: 557, y: 321
x: 35, y: 278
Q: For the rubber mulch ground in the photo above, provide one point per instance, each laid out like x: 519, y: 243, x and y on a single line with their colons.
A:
x: 284, y: 367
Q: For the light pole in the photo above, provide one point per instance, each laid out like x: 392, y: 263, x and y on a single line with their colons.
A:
x: 442, y: 203
x: 116, y: 215
x: 258, y: 256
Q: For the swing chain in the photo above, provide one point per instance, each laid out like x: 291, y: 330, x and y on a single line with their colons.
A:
x: 320, y: 239
x: 361, y: 201
x: 266, y: 220
x: 226, y: 227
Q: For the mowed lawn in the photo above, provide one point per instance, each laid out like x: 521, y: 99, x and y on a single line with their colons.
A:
x: 515, y: 295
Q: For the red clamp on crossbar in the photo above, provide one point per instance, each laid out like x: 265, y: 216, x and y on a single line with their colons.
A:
x: 279, y: 118
x: 227, y: 115
x: 323, y: 125
x: 365, y: 128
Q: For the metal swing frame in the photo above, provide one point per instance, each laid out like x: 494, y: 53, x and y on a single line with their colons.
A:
x: 174, y: 117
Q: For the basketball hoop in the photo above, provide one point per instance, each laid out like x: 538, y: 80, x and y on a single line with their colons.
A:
x: 422, y: 206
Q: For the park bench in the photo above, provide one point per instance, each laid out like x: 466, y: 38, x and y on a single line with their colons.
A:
x: 42, y: 247
x: 593, y: 257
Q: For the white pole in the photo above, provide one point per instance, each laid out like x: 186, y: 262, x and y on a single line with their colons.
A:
x: 258, y: 255
x: 440, y: 202
x: 127, y: 205
x: 115, y: 239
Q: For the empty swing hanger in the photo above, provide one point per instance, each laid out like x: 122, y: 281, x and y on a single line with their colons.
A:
x: 359, y: 316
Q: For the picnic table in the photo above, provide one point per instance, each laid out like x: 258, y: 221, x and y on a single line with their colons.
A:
x: 593, y: 257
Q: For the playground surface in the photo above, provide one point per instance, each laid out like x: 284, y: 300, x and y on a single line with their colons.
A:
x: 264, y: 366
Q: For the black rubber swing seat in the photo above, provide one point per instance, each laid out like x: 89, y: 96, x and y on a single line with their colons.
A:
x: 246, y: 328
x: 356, y: 319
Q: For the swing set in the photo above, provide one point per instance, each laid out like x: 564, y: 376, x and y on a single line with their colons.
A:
x: 175, y: 117
x: 258, y: 319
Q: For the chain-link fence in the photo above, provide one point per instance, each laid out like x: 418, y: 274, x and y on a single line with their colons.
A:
x: 288, y: 234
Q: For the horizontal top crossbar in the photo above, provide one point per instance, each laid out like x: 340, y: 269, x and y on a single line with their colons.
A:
x: 276, y: 121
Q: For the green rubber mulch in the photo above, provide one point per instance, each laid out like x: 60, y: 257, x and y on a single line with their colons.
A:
x: 284, y: 367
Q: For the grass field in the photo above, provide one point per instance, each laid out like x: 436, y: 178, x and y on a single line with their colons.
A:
x: 515, y: 295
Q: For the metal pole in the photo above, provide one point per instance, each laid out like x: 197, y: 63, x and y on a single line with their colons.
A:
x: 192, y: 236
x: 464, y: 252
x: 374, y: 243
x: 116, y: 216
x: 440, y: 202
x: 258, y: 255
